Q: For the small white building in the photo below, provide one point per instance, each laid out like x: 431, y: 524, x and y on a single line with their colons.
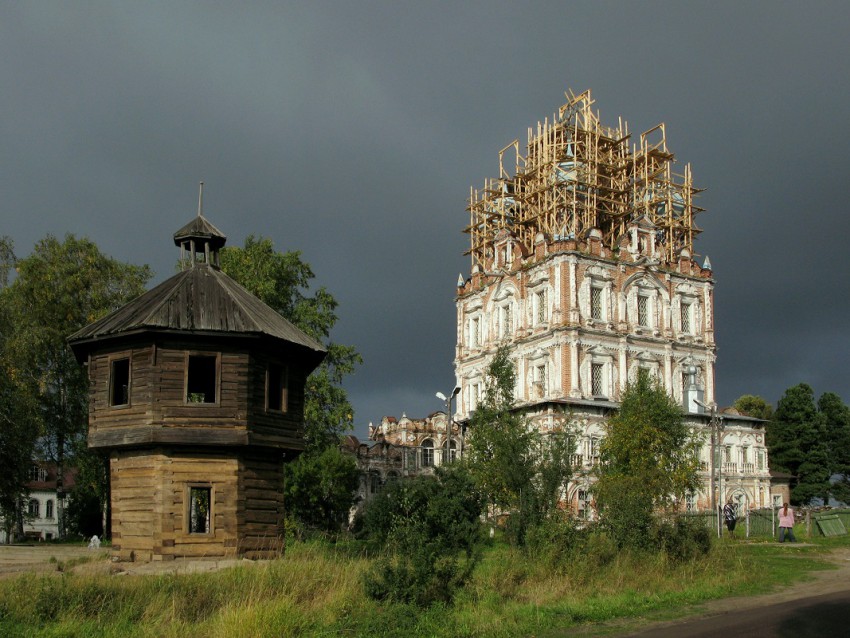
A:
x: 41, y: 502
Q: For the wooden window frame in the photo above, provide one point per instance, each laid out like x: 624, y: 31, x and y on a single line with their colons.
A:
x: 190, y: 487
x: 284, y: 387
x: 206, y: 354
x: 117, y: 358
x: 427, y: 453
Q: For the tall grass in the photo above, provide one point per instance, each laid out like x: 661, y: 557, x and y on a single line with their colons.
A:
x: 317, y: 590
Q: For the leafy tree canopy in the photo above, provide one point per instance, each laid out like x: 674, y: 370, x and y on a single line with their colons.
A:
x: 420, y: 525
x: 319, y: 488
x: 500, y: 442
x: 798, y: 439
x: 282, y: 281
x: 520, y: 471
x: 648, y: 460
x: 58, y: 289
x: 754, y: 406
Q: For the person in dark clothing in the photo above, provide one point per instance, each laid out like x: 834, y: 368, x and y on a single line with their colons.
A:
x: 730, y: 516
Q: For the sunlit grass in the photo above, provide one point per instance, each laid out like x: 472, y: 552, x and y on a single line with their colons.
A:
x: 317, y: 590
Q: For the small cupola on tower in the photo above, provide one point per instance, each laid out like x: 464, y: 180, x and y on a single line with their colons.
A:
x: 199, y: 240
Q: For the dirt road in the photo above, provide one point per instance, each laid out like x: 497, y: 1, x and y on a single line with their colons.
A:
x: 42, y: 558
x: 816, y: 607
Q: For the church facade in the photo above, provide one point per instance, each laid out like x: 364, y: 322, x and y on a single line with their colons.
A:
x: 583, y: 262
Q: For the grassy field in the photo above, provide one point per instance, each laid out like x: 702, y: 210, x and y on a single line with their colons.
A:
x: 317, y: 590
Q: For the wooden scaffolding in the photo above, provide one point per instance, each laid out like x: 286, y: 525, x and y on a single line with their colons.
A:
x: 578, y: 174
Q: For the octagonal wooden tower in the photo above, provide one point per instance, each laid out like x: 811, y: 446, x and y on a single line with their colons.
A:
x: 197, y: 394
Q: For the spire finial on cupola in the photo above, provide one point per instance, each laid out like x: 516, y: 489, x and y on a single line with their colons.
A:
x: 199, y: 241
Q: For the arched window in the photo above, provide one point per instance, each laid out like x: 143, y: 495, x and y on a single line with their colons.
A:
x: 427, y: 453
x: 33, y: 508
x: 48, y: 509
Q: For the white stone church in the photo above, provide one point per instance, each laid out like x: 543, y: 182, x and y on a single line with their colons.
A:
x: 582, y: 260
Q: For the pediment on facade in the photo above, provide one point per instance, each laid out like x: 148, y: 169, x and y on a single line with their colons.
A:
x: 474, y: 305
x: 504, y: 291
x: 643, y: 222
x: 599, y: 349
x: 597, y: 272
x: 645, y: 357
x: 537, y: 354
x: 645, y: 279
x: 687, y: 289
x: 538, y: 278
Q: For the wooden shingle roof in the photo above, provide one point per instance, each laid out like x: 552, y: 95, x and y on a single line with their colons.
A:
x: 201, y: 228
x: 201, y: 299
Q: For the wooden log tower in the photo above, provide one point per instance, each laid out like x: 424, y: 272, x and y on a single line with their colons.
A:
x: 197, y: 396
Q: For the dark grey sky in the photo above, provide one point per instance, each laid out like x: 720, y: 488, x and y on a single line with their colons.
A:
x: 352, y: 131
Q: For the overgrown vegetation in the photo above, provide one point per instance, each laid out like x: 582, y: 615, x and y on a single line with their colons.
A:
x: 648, y: 463
x: 521, y: 473
x: 426, y: 531
x: 316, y: 590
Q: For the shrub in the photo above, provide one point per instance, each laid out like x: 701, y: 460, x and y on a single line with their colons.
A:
x: 319, y: 489
x: 556, y: 540
x: 420, y: 525
x: 682, y: 540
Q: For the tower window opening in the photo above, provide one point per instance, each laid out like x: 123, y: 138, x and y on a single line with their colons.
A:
x: 119, y: 382
x: 200, y: 518
x: 541, y: 307
x: 276, y: 390
x: 201, y: 379
x: 597, y: 385
x: 686, y: 318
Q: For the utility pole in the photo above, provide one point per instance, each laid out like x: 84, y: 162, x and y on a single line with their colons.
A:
x: 449, y: 422
x: 716, y: 424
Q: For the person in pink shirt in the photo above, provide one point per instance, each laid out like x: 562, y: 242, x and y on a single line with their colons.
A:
x: 786, y: 524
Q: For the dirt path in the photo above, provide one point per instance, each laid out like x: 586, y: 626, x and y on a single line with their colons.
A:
x: 41, y: 559
x: 820, y: 583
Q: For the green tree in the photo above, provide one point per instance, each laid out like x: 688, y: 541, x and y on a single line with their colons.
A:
x: 520, y: 471
x: 421, y: 524
x: 797, y: 441
x: 59, y: 288
x: 19, y: 427
x: 282, y: 281
x: 319, y: 488
x: 648, y: 462
x: 7, y: 259
x: 836, y: 416
x: 320, y: 483
x: 754, y: 406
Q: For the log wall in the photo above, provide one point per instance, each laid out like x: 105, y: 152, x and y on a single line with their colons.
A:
x: 150, y: 504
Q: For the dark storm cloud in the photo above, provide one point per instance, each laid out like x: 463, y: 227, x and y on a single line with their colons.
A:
x: 352, y: 132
